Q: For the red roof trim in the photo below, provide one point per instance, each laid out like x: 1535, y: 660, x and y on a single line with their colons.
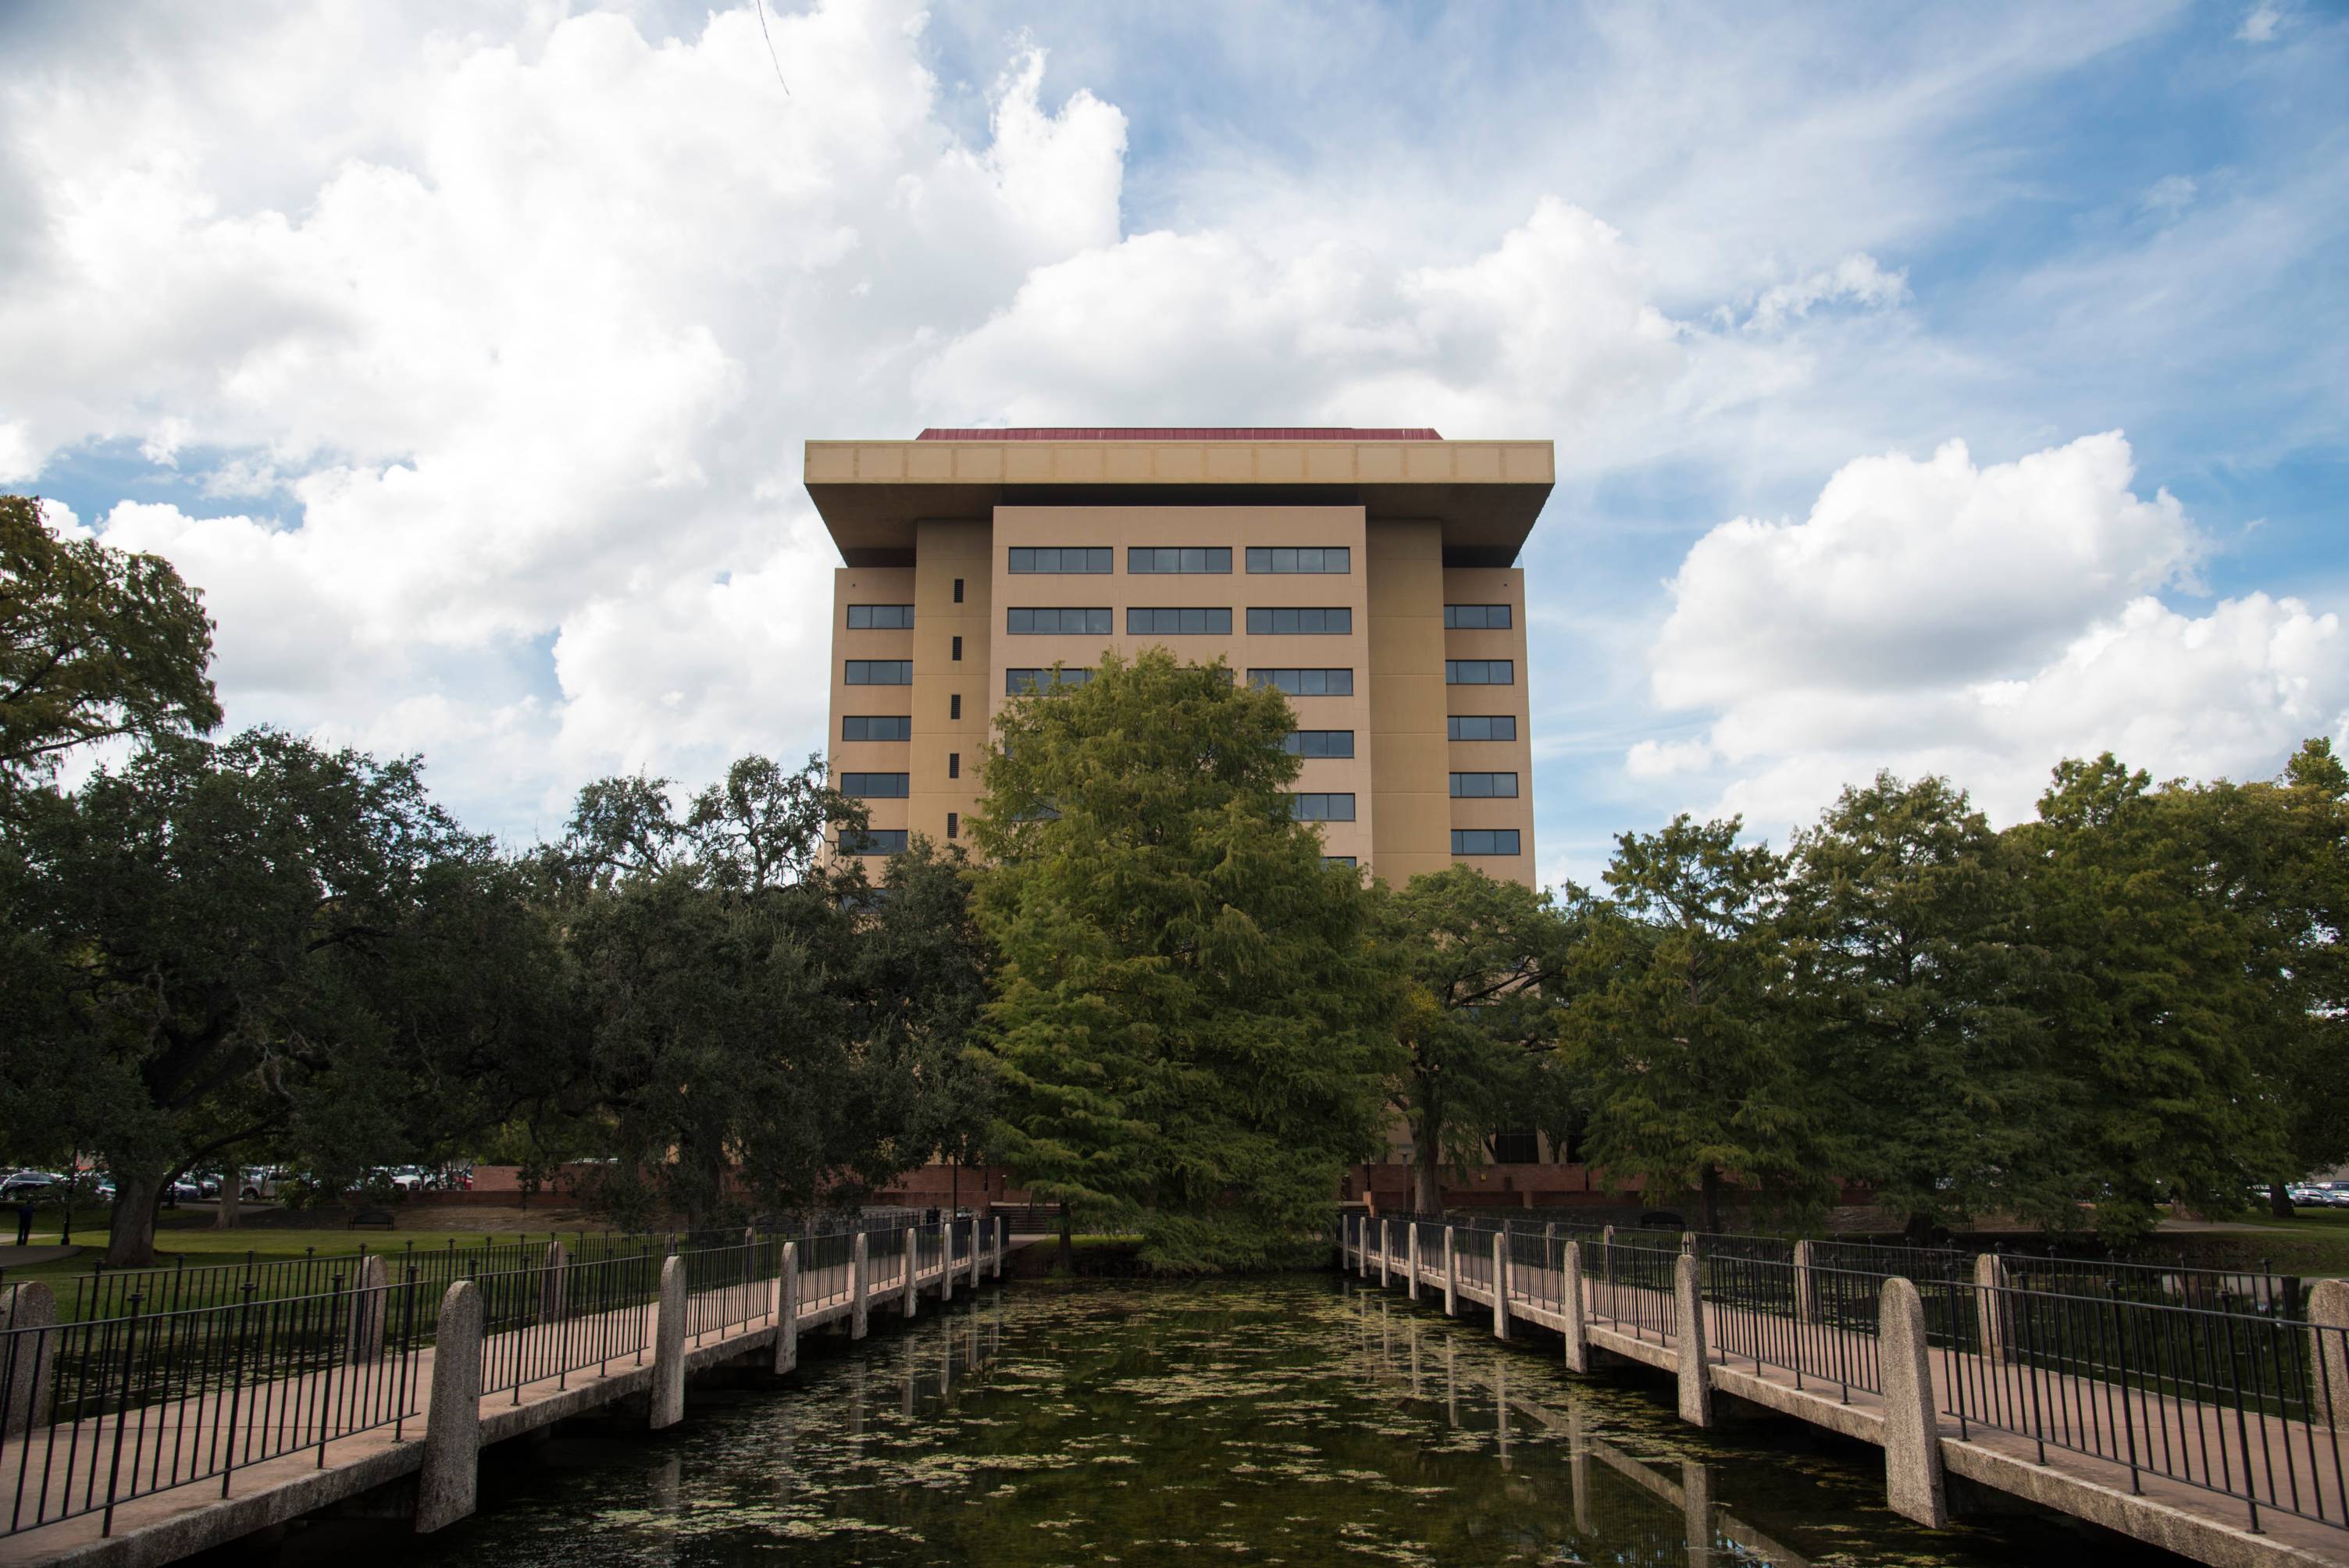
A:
x: 1179, y: 433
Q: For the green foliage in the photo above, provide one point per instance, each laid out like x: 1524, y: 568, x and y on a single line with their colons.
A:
x: 1190, y: 1025
x: 94, y: 644
x: 1916, y: 976
x: 1486, y: 974
x: 1696, y: 1066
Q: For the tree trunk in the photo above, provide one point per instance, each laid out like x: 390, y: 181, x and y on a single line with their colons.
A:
x: 232, y: 1195
x: 130, y: 1228
x: 2279, y: 1201
x: 1426, y: 1168
x: 1709, y: 1198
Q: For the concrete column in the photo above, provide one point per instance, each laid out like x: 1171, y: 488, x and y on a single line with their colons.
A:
x: 1386, y: 1253
x: 1002, y: 1244
x: 553, y: 1280
x: 1577, y: 1460
x: 370, y: 1305
x: 908, y: 1290
x: 1912, y: 1430
x: 946, y: 1256
x: 2328, y: 1316
x: 1501, y: 1284
x: 1410, y: 1286
x: 446, y: 1484
x: 668, y: 1346
x: 787, y: 1310
x: 860, y: 1281
x: 1688, y: 1340
x: 1990, y: 1304
x: 1688, y: 1242
x: 1450, y: 1274
x: 1363, y: 1243
x: 28, y: 1361
x: 1806, y: 1285
x: 1578, y: 1338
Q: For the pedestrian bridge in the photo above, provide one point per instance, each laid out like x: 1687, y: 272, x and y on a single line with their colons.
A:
x: 2217, y: 1435
x: 142, y: 1438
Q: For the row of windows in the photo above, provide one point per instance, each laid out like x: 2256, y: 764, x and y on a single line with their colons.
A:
x: 1094, y: 560
x: 1018, y: 681
x: 1480, y: 672
x: 1484, y: 841
x: 1192, y: 559
x: 880, y: 617
x: 1069, y: 620
x: 1319, y: 743
x: 1264, y: 621
x: 874, y: 785
x: 1306, y: 683
x: 880, y: 672
x: 1476, y: 617
x: 1481, y: 727
x: 876, y: 727
x: 874, y: 842
x: 1188, y: 622
x: 1297, y: 743
x: 1321, y: 808
x: 1483, y: 786
x: 900, y: 617
x: 1060, y: 620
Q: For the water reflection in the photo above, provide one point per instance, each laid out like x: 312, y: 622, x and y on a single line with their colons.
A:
x: 1280, y: 1421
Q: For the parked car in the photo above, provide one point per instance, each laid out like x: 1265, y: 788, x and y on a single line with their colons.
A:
x: 38, y: 1185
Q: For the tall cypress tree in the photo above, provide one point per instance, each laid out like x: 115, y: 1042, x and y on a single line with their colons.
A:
x: 1190, y: 1031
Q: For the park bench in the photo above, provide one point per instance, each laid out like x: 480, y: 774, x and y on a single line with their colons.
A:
x: 375, y: 1219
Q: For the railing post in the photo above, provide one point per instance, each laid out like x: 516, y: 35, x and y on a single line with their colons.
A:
x: 1912, y: 1431
x: 1687, y: 1343
x: 859, y: 1280
x: 787, y: 1310
x: 1386, y: 1252
x: 369, y: 1298
x: 1990, y: 1306
x: 947, y: 1261
x: 554, y: 1279
x: 1806, y: 1285
x: 1411, y: 1284
x: 2328, y: 1317
x: 907, y: 1299
x: 26, y: 1370
x: 668, y: 1346
x: 1688, y: 1242
x: 1003, y: 1246
x: 1570, y: 1302
x: 1362, y: 1244
x: 446, y: 1484
x: 1450, y: 1274
x: 1501, y: 1283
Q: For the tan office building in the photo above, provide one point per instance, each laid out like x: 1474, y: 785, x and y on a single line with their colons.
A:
x: 1370, y: 575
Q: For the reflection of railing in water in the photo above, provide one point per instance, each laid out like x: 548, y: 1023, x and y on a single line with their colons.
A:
x: 1689, y: 1538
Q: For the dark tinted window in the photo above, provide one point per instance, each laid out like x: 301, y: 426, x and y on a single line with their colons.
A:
x: 1166, y: 559
x: 1321, y: 808
x: 1015, y: 681
x: 880, y: 617
x: 1483, y: 786
x: 1484, y: 841
x: 880, y: 672
x: 1480, y: 672
x: 1482, y: 725
x: 872, y: 786
x: 1319, y: 743
x: 1476, y: 617
x: 1058, y: 620
x: 1189, y: 621
x: 874, y: 842
x: 1329, y: 559
x: 1306, y: 683
x: 1281, y: 620
x: 876, y: 727
x: 1090, y: 559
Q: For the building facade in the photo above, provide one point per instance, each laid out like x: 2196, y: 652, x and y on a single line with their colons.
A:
x: 1372, y: 575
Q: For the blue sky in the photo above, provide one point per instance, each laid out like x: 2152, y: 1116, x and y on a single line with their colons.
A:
x: 463, y: 352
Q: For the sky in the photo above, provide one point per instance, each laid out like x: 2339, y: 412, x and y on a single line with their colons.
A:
x: 1940, y: 389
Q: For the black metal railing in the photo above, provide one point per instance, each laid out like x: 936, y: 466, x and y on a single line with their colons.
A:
x: 553, y: 1320
x: 1632, y: 1279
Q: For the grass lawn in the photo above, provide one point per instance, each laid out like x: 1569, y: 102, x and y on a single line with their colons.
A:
x: 2313, y: 1243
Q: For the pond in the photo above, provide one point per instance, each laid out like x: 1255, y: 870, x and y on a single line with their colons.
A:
x: 1300, y: 1419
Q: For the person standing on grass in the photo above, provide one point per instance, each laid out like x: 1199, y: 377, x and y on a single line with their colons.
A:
x: 23, y: 1222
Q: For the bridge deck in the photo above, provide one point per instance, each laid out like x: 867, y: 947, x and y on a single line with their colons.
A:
x: 2288, y: 1472
x: 169, y: 1503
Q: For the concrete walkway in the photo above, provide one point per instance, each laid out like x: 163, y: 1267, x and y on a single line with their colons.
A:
x: 173, y: 1500
x: 2190, y: 1439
